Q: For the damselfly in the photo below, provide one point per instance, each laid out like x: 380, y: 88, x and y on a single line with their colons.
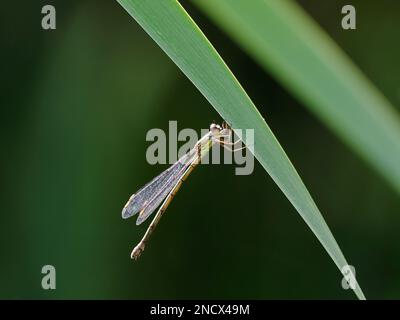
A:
x: 164, y: 187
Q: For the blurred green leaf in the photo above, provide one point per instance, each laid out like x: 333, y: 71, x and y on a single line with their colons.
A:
x: 80, y: 141
x: 285, y: 41
x: 176, y: 33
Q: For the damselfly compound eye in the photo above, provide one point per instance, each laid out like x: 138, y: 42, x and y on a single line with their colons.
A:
x: 215, y: 128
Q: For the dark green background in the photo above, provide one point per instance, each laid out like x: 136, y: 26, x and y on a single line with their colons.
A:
x: 76, y: 104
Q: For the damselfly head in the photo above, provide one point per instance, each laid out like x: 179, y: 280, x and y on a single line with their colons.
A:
x: 215, y: 128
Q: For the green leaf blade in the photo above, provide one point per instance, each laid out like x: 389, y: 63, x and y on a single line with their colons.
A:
x: 174, y: 31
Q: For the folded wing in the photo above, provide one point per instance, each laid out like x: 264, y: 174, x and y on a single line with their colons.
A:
x: 144, y: 196
x: 152, y: 205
